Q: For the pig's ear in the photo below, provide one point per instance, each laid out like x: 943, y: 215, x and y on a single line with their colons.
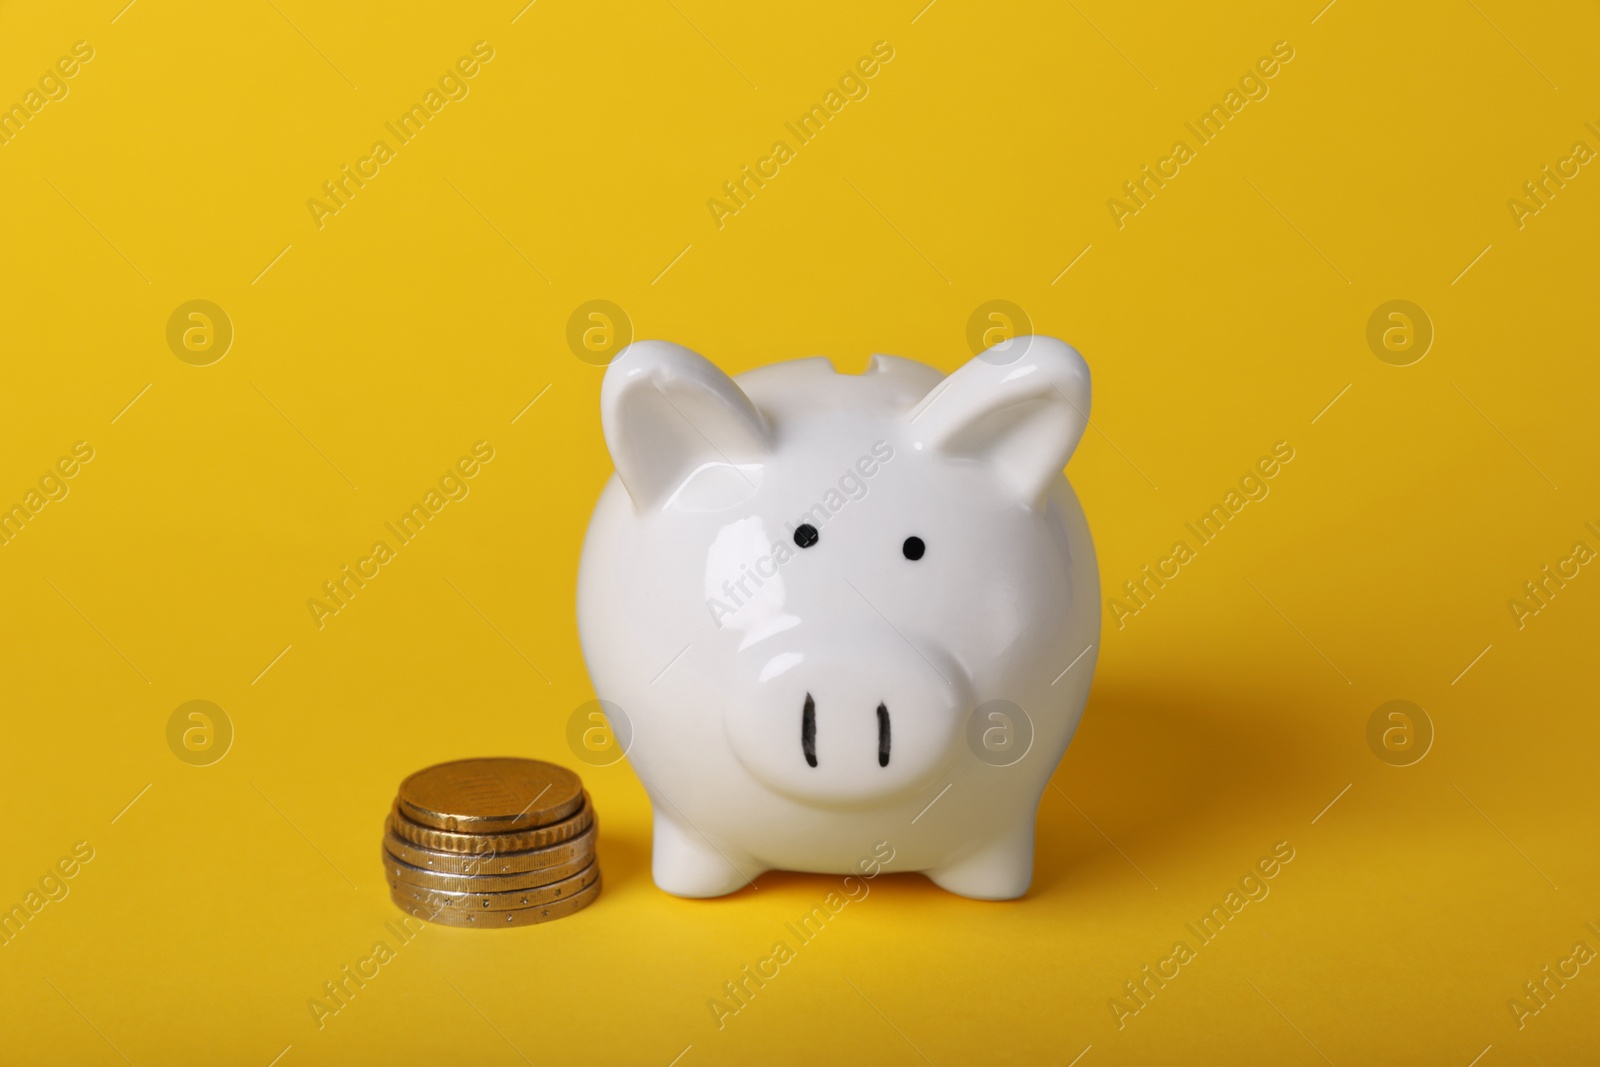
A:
x: 668, y: 414
x: 1019, y: 407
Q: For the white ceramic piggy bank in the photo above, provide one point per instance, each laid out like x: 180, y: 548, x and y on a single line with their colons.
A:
x: 838, y: 611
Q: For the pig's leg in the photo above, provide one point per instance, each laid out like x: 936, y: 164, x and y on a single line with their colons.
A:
x: 1000, y: 869
x: 685, y: 864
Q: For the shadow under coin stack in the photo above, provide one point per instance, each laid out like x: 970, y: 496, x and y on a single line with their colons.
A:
x: 492, y: 842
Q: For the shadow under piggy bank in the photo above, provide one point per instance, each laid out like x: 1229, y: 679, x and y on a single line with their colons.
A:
x: 1160, y: 770
x: 1151, y: 771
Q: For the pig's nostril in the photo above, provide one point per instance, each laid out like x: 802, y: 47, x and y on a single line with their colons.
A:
x: 808, y: 731
x: 883, y: 736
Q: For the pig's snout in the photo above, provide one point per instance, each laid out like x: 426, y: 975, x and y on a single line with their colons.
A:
x: 846, y: 727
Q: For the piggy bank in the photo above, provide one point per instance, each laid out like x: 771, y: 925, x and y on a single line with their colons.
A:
x: 842, y: 621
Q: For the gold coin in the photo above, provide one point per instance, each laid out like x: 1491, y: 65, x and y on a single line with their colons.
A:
x: 445, y: 900
x: 478, y: 882
x: 468, y: 843
x: 490, y: 796
x: 490, y: 919
x: 486, y: 860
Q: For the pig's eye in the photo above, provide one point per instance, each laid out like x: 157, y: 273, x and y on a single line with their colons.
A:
x: 913, y: 548
x: 805, y: 535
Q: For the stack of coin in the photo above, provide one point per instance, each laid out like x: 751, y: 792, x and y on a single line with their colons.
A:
x: 492, y: 842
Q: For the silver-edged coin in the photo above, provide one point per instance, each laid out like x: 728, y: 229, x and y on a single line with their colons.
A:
x: 487, y: 919
x: 399, y: 872
x: 446, y: 900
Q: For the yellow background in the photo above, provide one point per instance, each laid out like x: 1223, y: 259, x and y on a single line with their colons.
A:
x: 428, y: 313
